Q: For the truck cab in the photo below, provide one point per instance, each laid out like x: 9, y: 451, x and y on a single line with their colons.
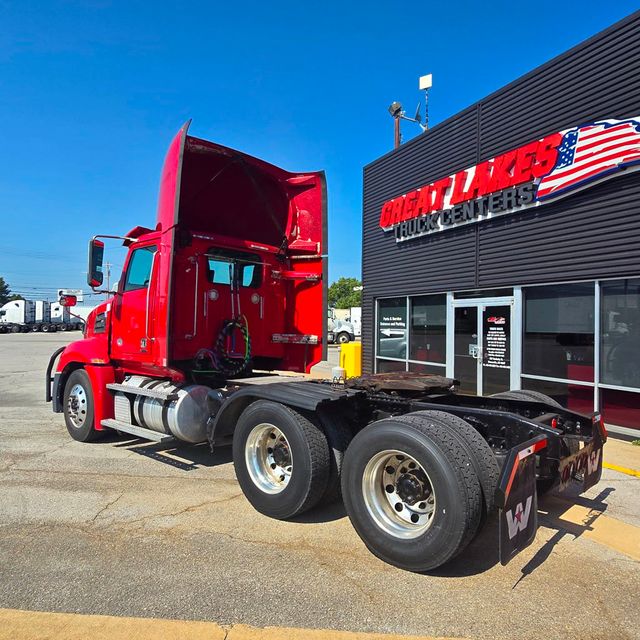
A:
x: 230, y: 281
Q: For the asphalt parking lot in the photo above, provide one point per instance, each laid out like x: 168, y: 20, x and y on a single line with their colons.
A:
x: 124, y: 528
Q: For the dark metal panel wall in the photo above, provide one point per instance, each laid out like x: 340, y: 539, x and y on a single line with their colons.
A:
x: 587, y: 235
x: 593, y: 234
x: 419, y: 266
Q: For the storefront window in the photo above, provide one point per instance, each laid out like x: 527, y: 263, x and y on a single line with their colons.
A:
x: 574, y: 397
x: 558, y: 331
x: 386, y: 366
x: 392, y: 328
x: 426, y: 368
x: 621, y: 408
x: 428, y: 328
x: 620, y: 331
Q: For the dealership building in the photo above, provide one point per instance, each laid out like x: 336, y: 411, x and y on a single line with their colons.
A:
x: 502, y: 246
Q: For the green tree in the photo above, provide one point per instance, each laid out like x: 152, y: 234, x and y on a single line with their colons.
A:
x: 5, y: 292
x: 342, y: 295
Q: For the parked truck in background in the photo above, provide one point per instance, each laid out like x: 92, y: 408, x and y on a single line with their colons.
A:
x: 21, y: 316
x: 64, y: 320
x: 228, y: 289
x: 339, y: 331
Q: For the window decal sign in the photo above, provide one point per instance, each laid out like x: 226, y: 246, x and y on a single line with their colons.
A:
x: 552, y: 167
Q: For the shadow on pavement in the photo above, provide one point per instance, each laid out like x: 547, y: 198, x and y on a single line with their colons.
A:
x: 478, y: 557
x: 181, y: 456
x: 325, y: 513
x: 550, y: 511
x: 482, y: 552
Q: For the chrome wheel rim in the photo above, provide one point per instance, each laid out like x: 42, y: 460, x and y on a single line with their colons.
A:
x: 398, y: 494
x: 77, y: 406
x: 268, y: 458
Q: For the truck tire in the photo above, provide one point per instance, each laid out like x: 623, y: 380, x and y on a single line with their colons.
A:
x: 46, y: 328
x: 78, y: 407
x: 343, y: 338
x: 63, y: 327
x: 281, y: 459
x: 35, y: 328
x: 411, y: 492
x: 339, y: 435
x: 531, y: 396
x: 481, y: 454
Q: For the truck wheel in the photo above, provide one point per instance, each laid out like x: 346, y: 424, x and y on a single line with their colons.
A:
x: 281, y: 459
x: 78, y: 407
x: 35, y: 328
x: 63, y: 327
x: 411, y: 492
x: 45, y: 328
x: 343, y: 338
x: 531, y: 396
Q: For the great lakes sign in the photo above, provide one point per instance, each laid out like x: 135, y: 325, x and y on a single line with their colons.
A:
x: 542, y: 170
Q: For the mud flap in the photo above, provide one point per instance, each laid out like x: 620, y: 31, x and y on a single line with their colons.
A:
x: 517, y: 499
x: 586, y: 463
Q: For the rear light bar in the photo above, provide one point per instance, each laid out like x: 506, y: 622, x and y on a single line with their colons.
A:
x: 598, y: 420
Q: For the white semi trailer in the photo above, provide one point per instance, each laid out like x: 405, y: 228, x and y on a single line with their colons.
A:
x: 63, y: 319
x: 37, y: 315
x: 18, y: 315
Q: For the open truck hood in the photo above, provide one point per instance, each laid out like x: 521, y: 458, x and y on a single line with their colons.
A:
x: 214, y: 192
x: 212, y: 189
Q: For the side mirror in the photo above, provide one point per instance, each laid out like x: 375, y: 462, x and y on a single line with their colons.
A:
x: 95, y: 277
x: 68, y: 301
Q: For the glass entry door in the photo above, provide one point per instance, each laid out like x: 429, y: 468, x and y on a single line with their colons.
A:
x: 466, y: 349
x: 482, y: 345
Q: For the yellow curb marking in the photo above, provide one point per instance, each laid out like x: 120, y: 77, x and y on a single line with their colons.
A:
x: 604, y: 530
x: 615, y: 467
x: 16, y: 624
x: 242, y: 632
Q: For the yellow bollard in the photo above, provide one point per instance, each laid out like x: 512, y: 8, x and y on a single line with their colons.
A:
x: 351, y: 358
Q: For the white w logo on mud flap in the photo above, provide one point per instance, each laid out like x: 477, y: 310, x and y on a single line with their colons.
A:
x: 518, y: 522
x: 592, y: 461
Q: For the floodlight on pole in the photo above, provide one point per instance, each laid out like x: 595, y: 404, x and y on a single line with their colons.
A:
x: 396, y: 112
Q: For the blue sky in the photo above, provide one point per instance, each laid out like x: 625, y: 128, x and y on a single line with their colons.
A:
x: 91, y: 93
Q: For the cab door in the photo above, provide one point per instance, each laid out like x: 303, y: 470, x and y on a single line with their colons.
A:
x: 133, y: 307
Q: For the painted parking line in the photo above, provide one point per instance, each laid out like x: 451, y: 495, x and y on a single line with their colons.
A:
x: 16, y: 624
x: 593, y: 524
x: 615, y: 467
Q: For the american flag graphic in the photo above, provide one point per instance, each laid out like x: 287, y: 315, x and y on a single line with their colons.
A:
x: 590, y: 152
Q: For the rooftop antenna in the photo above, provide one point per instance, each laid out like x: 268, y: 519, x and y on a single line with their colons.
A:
x: 424, y: 84
x: 397, y: 112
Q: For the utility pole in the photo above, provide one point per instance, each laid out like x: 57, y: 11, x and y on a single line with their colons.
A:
x: 108, y: 266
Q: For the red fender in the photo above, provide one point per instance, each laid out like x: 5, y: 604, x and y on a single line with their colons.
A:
x: 102, y: 400
x: 92, y: 355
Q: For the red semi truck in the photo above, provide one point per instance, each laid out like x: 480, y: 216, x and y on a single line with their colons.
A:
x: 224, y: 300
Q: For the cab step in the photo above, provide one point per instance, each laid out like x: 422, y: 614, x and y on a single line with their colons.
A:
x: 140, y: 432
